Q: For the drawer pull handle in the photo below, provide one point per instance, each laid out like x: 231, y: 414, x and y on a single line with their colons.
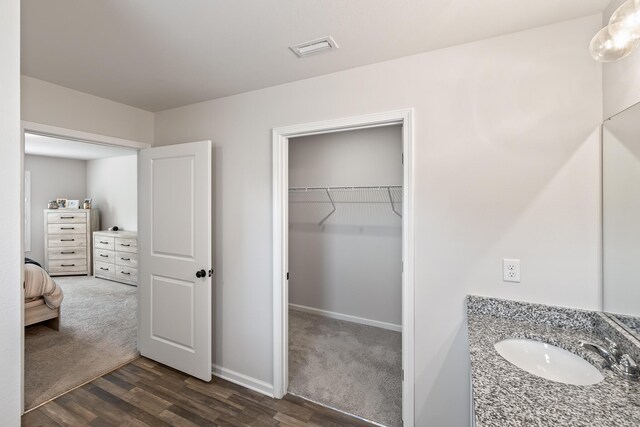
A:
x: 128, y: 274
x: 67, y: 217
x: 67, y: 252
x: 104, y: 243
x: 122, y: 244
x: 67, y: 228
x: 105, y: 269
x: 67, y: 240
x: 126, y: 259
x: 104, y: 256
x: 67, y: 265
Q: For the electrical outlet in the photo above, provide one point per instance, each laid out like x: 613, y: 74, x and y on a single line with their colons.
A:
x: 511, y: 270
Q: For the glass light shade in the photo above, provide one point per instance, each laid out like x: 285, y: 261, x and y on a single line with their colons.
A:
x: 626, y: 19
x: 608, y: 46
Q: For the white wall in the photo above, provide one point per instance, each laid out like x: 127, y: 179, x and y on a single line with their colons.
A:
x: 54, y: 105
x: 10, y: 216
x: 621, y: 79
x: 353, y: 158
x: 51, y: 178
x: 506, y: 165
x: 113, y: 185
x: 352, y: 264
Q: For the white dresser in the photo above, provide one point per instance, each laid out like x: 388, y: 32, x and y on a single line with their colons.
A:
x: 115, y: 256
x: 67, y: 240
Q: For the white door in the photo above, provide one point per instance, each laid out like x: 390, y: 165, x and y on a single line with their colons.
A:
x: 174, y: 233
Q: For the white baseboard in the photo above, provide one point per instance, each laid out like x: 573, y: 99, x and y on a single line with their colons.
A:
x: 242, y: 380
x: 346, y: 317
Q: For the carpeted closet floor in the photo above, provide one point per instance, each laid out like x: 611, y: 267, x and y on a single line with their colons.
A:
x: 347, y: 366
x: 97, y: 334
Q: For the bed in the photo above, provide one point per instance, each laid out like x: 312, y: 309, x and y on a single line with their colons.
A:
x: 42, y: 296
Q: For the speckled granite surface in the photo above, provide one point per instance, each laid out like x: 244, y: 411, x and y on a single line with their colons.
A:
x: 631, y: 322
x: 535, y: 313
x: 505, y: 395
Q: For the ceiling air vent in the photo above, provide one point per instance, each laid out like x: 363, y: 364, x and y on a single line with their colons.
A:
x: 314, y: 46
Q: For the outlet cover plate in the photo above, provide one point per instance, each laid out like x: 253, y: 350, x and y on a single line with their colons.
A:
x: 511, y: 270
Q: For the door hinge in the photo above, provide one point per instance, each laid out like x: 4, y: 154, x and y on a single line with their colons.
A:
x: 402, y: 158
x: 287, y: 275
x: 403, y: 375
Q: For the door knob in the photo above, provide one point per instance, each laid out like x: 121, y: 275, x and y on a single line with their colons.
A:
x: 201, y: 273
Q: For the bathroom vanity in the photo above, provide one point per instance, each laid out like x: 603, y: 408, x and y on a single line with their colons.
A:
x: 504, y: 394
x: 589, y: 375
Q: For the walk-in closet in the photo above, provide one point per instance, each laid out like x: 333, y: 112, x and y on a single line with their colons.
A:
x: 345, y: 271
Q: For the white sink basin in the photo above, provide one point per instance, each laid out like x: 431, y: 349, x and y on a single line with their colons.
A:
x: 548, y: 361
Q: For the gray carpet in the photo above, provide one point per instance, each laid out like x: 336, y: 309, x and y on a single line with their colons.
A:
x: 97, y: 333
x: 347, y: 366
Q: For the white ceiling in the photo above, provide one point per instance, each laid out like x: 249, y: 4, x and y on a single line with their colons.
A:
x: 159, y: 54
x: 39, y: 145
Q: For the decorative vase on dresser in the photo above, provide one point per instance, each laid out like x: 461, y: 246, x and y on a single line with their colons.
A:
x: 67, y: 240
x: 115, y: 255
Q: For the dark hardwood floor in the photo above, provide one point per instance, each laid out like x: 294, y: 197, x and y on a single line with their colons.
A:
x: 146, y: 393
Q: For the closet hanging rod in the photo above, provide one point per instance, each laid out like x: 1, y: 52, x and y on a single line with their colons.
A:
x: 367, y: 187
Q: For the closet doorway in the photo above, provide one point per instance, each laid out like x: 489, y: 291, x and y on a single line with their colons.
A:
x: 88, y: 325
x: 343, y: 265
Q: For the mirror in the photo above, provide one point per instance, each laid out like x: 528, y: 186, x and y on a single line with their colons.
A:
x: 621, y: 217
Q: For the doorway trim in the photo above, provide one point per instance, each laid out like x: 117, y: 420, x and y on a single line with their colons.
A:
x: 76, y: 135
x: 281, y: 138
x: 63, y: 133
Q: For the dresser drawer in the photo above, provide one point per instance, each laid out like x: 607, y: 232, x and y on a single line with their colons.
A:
x: 105, y: 269
x: 126, y: 259
x: 67, y: 253
x: 67, y: 265
x: 58, y: 240
x: 66, y: 218
x: 62, y: 271
x: 126, y: 245
x: 67, y: 228
x: 103, y: 242
x: 102, y: 255
x: 127, y: 273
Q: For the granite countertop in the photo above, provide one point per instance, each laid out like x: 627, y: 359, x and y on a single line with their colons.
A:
x: 505, y: 395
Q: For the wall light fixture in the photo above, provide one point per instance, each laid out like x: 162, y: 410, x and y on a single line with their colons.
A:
x: 621, y: 37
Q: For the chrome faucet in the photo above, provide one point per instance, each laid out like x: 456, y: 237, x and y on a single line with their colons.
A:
x: 623, y: 364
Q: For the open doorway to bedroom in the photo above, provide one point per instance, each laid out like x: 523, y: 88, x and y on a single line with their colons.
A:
x: 80, y: 277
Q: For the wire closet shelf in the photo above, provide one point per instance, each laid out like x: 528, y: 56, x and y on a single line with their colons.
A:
x: 378, y: 194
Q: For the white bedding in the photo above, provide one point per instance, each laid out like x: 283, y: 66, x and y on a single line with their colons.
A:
x: 38, y: 283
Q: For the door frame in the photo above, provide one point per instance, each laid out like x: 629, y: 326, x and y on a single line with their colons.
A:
x: 63, y: 133
x: 281, y: 137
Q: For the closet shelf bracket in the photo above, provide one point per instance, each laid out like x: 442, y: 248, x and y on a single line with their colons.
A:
x: 333, y: 206
x: 393, y: 208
